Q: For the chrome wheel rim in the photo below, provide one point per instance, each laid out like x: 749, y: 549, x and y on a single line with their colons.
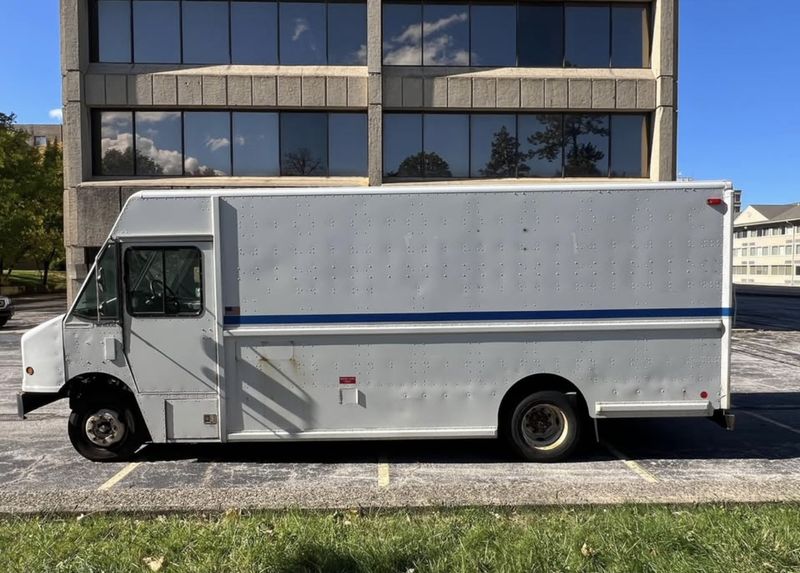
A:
x: 105, y: 428
x: 544, y: 427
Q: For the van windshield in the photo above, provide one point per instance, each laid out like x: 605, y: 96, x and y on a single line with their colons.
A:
x: 86, y: 306
x: 98, y: 300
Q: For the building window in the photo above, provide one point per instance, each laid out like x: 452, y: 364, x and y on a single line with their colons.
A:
x: 753, y: 251
x: 781, y: 270
x: 764, y: 251
x: 776, y: 250
x: 435, y: 145
x: 797, y: 249
x: 525, y: 34
x: 216, y: 143
x: 223, y: 31
x: 39, y: 141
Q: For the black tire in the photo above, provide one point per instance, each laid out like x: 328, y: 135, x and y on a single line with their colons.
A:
x: 544, y: 427
x: 3, y: 322
x: 123, y: 441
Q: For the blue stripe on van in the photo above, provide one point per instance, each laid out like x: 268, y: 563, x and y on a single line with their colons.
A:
x: 367, y: 318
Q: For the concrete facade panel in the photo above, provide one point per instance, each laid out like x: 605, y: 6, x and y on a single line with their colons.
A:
x: 412, y: 92
x: 71, y: 87
x: 626, y: 94
x: 556, y: 93
x: 434, y: 91
x: 116, y: 89
x: 645, y: 94
x: 508, y: 93
x: 459, y: 92
x: 289, y: 91
x: 140, y: 89
x: 215, y: 90
x: 165, y: 89
x: 393, y: 91
x: 604, y: 94
x: 265, y: 92
x: 666, y: 91
x: 580, y: 94
x: 101, y: 207
x: 95, y: 89
x: 357, y: 92
x: 484, y: 92
x: 190, y: 90
x: 313, y: 94
x: 336, y: 91
x: 532, y: 93
x: 240, y: 91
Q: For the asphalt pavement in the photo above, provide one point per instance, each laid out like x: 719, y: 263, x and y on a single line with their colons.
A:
x: 639, y: 461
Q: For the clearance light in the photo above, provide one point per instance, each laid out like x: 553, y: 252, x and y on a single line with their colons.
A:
x: 704, y: 394
x: 29, y: 371
x: 714, y: 201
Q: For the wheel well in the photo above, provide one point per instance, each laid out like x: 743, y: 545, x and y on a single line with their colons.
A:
x: 99, y: 384
x: 536, y: 383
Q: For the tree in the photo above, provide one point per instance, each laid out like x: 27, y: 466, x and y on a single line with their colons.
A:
x: 580, y: 154
x: 427, y: 164
x: 31, y: 187
x: 506, y: 160
x: 301, y: 162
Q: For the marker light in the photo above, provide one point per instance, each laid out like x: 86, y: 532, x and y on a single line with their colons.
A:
x: 704, y: 394
x: 714, y: 201
x: 29, y: 371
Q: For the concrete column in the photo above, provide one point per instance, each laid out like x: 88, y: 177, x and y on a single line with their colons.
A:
x: 665, y: 70
x: 375, y: 92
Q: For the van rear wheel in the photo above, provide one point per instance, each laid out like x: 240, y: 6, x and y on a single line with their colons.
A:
x: 104, y: 429
x: 544, y: 427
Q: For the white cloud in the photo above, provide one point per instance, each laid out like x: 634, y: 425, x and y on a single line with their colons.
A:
x: 300, y: 26
x: 439, y: 46
x: 56, y: 113
x: 215, y: 143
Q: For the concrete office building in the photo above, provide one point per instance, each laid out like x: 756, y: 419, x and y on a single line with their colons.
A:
x: 766, y: 245
x: 188, y: 93
x: 40, y: 134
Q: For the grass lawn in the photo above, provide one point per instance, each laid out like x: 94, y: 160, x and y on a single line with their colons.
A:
x: 763, y: 538
x: 56, y: 280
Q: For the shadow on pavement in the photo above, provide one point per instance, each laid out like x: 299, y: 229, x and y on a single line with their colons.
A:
x: 674, y: 438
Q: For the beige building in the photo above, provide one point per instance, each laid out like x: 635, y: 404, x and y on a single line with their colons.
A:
x: 40, y: 134
x: 210, y: 93
x: 766, y: 245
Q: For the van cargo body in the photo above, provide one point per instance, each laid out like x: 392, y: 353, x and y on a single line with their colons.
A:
x: 397, y: 312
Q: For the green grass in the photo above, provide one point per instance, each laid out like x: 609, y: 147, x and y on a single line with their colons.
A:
x: 624, y: 538
x: 56, y: 280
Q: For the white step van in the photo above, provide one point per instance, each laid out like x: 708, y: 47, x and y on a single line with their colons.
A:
x: 394, y: 313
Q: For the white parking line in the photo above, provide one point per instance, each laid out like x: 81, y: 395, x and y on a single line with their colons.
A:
x: 119, y: 476
x: 631, y: 465
x: 383, y: 474
x: 769, y: 421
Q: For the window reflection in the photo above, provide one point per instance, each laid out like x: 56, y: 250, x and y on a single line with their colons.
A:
x: 588, y: 31
x: 402, y: 145
x: 542, y: 143
x: 629, y: 146
x: 302, y: 33
x: 629, y: 40
x: 445, y: 35
x: 540, y: 32
x: 114, y: 30
x: 208, y: 144
x: 255, y: 140
x: 347, y: 144
x: 494, y: 35
x: 158, y: 143
x: 304, y: 144
x: 402, y: 34
x: 446, y: 145
x: 586, y: 145
x: 494, y: 148
x: 116, y: 143
x: 205, y: 32
x: 254, y: 32
x: 156, y: 31
x: 347, y: 34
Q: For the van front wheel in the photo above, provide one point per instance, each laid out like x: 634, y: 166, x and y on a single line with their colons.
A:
x: 544, y: 427
x: 104, y: 429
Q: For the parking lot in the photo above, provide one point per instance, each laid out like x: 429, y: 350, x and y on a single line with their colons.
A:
x: 638, y: 460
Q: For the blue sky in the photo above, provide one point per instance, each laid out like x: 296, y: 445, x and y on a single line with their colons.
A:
x: 739, y: 79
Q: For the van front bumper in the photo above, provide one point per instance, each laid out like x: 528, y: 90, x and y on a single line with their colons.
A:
x: 27, y: 402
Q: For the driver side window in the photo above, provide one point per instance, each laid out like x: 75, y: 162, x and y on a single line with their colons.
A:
x: 163, y: 281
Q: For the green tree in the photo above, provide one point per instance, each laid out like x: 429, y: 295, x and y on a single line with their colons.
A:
x: 506, y: 160
x: 31, y: 212
x: 422, y: 164
x: 581, y: 155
